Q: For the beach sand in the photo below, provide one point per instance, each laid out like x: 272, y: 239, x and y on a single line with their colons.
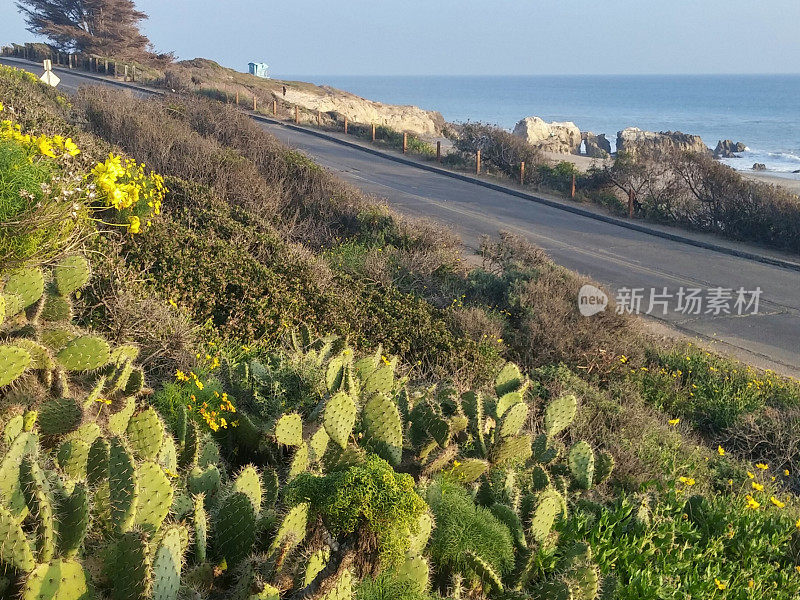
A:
x: 793, y: 185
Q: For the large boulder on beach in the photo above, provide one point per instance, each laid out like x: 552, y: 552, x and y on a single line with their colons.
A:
x: 597, y: 146
x: 759, y: 167
x: 634, y: 140
x: 560, y: 138
x: 728, y: 149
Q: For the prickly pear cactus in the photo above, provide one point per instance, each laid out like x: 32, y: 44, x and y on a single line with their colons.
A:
x: 167, y: 565
x: 339, y: 418
x: 289, y: 430
x: 383, y: 428
x: 57, y: 580
x: 581, y: 464
x: 560, y: 414
x: 71, y: 274
x: 123, y: 486
x: 13, y: 362
x: 235, y: 528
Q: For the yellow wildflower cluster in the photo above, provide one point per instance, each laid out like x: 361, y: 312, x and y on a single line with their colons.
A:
x: 214, y: 417
x: 123, y: 184
x: 42, y: 145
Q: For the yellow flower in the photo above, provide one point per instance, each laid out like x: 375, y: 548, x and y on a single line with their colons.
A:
x: 103, y: 400
x: 172, y: 303
x: 777, y: 502
x: 135, y: 224
x: 45, y: 147
x: 719, y: 584
x: 199, y: 384
x: 623, y: 359
x: 687, y: 480
x: 786, y: 472
x: 456, y: 463
x: 762, y: 466
x: 797, y: 524
x: 674, y: 421
x: 750, y: 475
x: 757, y: 486
x: 181, y: 376
x: 751, y: 502
x: 720, y: 451
x: 70, y: 147
x: 1, y: 107
x: 751, y: 584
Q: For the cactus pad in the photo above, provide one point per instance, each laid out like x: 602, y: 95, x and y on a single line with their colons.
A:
x: 249, y: 483
x: 340, y: 417
x: 540, y: 480
x: 40, y: 356
x: 384, y: 428
x: 97, y: 461
x: 235, y: 528
x: 191, y: 445
x: 27, y: 285
x: 513, y: 449
x: 289, y: 430
x: 419, y: 540
x: 469, y: 469
x: 14, y: 548
x: 508, y: 380
x: 144, y: 434
x: 56, y: 308
x: 506, y: 401
x: 167, y: 565
x: 73, y: 521
x: 13, y: 362
x: 204, y: 481
x: 84, y: 353
x: 292, y: 528
x: 543, y: 518
x: 414, y: 570
x: 71, y: 274
x: 552, y: 590
x: 513, y: 420
x: 603, y: 467
x: 209, y: 453
x: 483, y: 570
x: 168, y: 455
x: 59, y: 417
x: 73, y: 458
x: 510, y: 519
x: 581, y: 464
x: 300, y: 461
x: 130, y: 568
x: 10, y: 489
x: 118, y: 422
x: 585, y: 582
x: 155, y: 496
x: 271, y: 487
x: 318, y: 444
x: 559, y: 414
x: 58, y: 580
x: 380, y: 381
x: 200, y: 520
x: 123, y: 487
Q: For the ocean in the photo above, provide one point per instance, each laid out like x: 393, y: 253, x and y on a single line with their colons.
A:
x: 763, y: 111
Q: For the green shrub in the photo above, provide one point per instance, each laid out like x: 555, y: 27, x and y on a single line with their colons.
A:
x: 372, y: 495
x: 386, y: 587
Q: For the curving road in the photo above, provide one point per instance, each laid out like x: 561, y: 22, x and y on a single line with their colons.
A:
x: 616, y: 256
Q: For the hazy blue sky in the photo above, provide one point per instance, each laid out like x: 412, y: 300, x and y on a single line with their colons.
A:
x: 322, y: 37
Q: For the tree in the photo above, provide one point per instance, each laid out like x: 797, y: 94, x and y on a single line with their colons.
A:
x: 103, y: 27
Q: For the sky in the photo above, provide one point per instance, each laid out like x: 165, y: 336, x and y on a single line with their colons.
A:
x: 470, y: 37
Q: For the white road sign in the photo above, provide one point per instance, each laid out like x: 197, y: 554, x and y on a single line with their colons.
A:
x: 49, y: 77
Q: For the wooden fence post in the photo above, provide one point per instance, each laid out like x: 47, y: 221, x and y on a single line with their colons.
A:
x: 478, y: 162
x: 255, y: 103
x: 438, y: 151
x: 274, y: 108
x: 405, y: 143
x: 522, y: 173
x: 345, y: 125
x: 373, y: 132
x: 133, y: 73
x: 572, y: 192
x: 296, y: 114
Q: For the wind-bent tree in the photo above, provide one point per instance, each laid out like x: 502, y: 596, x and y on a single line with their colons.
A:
x: 104, y: 27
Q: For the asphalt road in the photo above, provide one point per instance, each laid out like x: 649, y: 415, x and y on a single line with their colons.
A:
x: 615, y: 256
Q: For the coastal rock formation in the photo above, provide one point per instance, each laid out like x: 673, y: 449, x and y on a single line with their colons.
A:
x: 633, y: 140
x: 560, y: 138
x: 360, y: 110
x: 597, y: 146
x: 727, y: 149
x: 759, y: 167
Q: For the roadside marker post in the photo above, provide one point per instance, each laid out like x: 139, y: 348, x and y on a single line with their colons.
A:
x: 254, y: 103
x: 438, y: 151
x: 345, y: 125
x: 296, y: 114
x: 405, y: 143
x: 522, y: 173
x: 319, y: 118
x: 237, y: 97
x: 373, y: 133
x: 49, y: 77
x: 274, y: 108
x: 572, y: 192
x: 478, y: 162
